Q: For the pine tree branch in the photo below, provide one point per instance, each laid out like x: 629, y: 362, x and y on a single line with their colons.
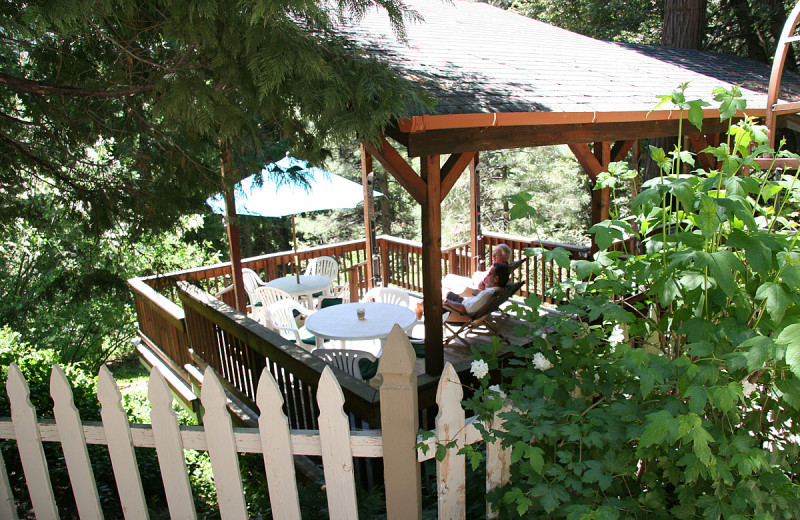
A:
x: 44, y: 89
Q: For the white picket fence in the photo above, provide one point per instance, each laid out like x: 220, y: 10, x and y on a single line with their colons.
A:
x: 334, y: 442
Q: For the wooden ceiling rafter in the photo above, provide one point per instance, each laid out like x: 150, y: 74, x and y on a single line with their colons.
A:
x: 452, y: 170
x: 480, y: 139
x: 621, y: 148
x: 399, y: 168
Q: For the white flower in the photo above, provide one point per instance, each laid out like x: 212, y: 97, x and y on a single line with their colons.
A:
x: 496, y: 388
x: 617, y: 336
x: 479, y: 368
x: 541, y: 362
x: 748, y: 387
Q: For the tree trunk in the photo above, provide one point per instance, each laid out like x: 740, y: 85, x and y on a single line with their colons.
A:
x: 684, y: 27
x: 749, y: 30
x: 684, y: 23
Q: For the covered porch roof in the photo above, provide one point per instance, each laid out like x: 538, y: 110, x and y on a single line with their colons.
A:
x: 502, y: 80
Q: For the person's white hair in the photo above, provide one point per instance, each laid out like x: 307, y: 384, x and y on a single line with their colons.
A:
x: 504, y: 251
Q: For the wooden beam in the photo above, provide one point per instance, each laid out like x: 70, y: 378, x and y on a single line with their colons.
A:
x: 587, y: 160
x: 369, y: 225
x: 700, y: 143
x: 476, y: 239
x: 399, y: 168
x: 498, y: 138
x: 395, y: 133
x: 452, y: 169
x: 432, y: 265
x: 601, y: 199
x: 621, y: 149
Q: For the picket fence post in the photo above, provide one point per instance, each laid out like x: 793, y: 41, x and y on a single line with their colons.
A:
x: 169, y: 448
x: 399, y: 426
x: 29, y: 444
x: 120, y: 447
x: 498, y: 460
x: 7, y: 507
x: 337, y: 455
x: 451, y: 472
x: 73, y: 445
x: 276, y: 443
x: 222, y: 448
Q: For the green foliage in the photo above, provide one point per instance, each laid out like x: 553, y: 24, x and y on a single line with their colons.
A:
x: 669, y: 385
x: 128, y: 106
x: 67, y: 292
x: 558, y: 189
x: 618, y: 20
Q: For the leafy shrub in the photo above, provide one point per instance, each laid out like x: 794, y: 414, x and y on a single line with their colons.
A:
x: 669, y: 385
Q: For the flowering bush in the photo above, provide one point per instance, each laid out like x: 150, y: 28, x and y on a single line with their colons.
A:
x: 668, y: 386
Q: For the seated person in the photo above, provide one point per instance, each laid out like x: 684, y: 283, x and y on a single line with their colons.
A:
x: 469, y: 286
x: 496, y: 279
x: 500, y: 255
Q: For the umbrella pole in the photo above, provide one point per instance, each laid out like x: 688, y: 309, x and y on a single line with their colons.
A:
x: 296, y: 261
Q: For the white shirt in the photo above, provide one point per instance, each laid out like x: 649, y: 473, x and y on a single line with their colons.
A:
x: 476, y: 303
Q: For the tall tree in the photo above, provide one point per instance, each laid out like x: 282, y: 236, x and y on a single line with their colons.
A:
x: 122, y: 106
x: 684, y: 23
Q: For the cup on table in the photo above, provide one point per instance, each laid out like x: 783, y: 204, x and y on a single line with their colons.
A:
x: 360, y: 312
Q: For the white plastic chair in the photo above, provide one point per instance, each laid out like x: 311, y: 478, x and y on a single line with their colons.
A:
x: 341, y: 291
x: 344, y: 359
x: 323, y: 266
x: 266, y: 296
x: 387, y: 295
x: 251, y: 282
x: 279, y: 316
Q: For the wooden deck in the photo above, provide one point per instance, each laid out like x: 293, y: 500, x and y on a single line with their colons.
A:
x: 460, y: 356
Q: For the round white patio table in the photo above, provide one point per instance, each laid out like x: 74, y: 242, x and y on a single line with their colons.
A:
x: 308, y: 286
x: 340, y: 322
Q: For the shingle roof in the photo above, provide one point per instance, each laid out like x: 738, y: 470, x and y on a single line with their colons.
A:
x: 477, y: 58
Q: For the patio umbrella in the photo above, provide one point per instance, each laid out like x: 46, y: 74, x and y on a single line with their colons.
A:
x: 269, y: 193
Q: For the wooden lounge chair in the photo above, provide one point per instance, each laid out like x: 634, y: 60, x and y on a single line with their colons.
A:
x: 460, y: 323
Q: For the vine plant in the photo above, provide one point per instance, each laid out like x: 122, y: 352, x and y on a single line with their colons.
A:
x: 669, y: 385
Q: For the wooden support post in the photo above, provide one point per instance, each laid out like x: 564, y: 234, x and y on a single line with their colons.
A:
x: 234, y: 245
x: 431, y: 264
x: 366, y: 169
x: 399, y: 424
x: 476, y: 239
x: 601, y: 199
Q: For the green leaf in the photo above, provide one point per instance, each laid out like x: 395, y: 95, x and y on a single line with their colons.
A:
x: 789, y: 388
x: 758, y: 255
x: 560, y: 255
x: 660, y: 425
x: 700, y: 439
x: 760, y: 349
x: 723, y: 265
x: 790, y: 337
x: 608, y: 231
x: 698, y: 396
x: 696, y: 113
x: 536, y: 459
x: 776, y: 298
x: 707, y: 219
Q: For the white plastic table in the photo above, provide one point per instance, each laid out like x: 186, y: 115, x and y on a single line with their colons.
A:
x: 308, y: 286
x: 340, y: 322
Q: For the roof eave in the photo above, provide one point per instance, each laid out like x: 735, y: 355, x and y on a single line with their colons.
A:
x: 418, y: 124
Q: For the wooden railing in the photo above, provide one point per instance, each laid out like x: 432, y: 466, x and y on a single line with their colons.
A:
x: 538, y: 274
x: 190, y: 328
x: 239, y: 348
x: 272, y: 436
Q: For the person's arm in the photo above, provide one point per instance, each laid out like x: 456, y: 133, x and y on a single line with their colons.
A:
x: 459, y: 307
